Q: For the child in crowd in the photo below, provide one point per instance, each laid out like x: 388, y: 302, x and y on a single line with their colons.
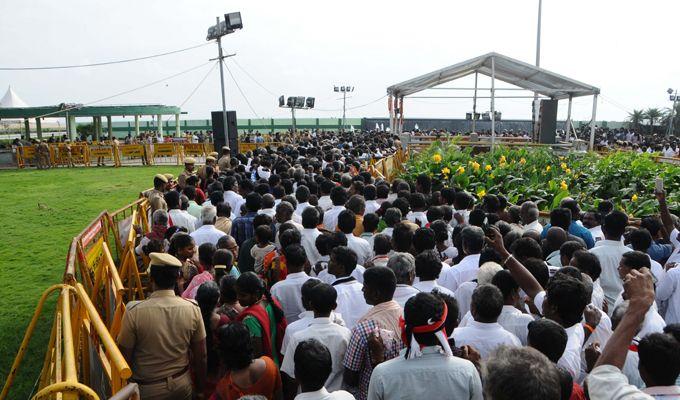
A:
x: 264, y: 246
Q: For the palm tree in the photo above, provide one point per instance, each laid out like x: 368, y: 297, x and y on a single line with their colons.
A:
x: 652, y: 115
x: 635, y: 119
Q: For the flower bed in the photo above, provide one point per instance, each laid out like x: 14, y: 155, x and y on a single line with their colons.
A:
x: 546, y: 177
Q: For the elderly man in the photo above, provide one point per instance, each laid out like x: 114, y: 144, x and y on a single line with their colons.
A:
x: 529, y: 215
x: 223, y: 162
x: 207, y: 233
x: 404, y: 267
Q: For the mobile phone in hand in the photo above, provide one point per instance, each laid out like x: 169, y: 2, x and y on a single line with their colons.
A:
x: 658, y: 185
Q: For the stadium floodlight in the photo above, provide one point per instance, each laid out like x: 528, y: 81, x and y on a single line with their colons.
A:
x: 336, y: 89
x: 233, y: 21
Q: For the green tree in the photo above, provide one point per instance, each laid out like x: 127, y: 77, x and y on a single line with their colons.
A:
x: 652, y: 115
x: 635, y: 119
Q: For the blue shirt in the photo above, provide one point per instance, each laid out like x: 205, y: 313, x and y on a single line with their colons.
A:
x: 576, y: 230
x: 660, y: 252
x: 242, y: 228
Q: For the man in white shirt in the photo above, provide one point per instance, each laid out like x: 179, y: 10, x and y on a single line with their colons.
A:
x: 668, y: 289
x: 207, y: 233
x: 392, y: 216
x: 287, y: 291
x: 485, y: 333
x: 177, y: 216
x: 609, y: 252
x: 232, y: 197
x: 466, y: 270
x: 302, y: 197
x: 325, y: 201
x: 351, y: 303
x: 404, y: 267
x: 511, y: 318
x: 330, y: 217
x: 313, y: 366
x: 371, y: 204
x: 428, y: 268
x: 321, y: 327
x: 529, y: 215
x: 268, y: 204
x: 310, y: 220
x: 464, y: 292
x: 346, y: 224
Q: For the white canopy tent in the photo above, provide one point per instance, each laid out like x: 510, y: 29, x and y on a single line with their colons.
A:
x: 495, y: 66
x: 12, y: 100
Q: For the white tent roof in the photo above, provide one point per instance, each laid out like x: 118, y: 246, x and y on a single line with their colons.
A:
x: 508, y: 70
x: 12, y: 100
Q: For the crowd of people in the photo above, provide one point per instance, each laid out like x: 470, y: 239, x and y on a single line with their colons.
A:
x: 291, y: 273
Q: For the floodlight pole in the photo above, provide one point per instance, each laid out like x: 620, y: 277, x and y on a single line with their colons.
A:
x: 344, y: 102
x: 224, y: 101
x: 292, y: 113
x: 670, y: 122
x: 538, y: 64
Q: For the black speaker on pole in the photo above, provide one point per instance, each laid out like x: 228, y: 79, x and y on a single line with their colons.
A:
x: 218, y: 131
x: 547, y: 121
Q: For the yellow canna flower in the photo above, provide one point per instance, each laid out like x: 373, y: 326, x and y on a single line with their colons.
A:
x: 502, y: 160
x: 563, y: 185
x: 568, y: 171
x: 634, y: 198
x: 475, y: 166
x: 460, y: 170
x: 563, y: 166
x: 487, y: 167
x: 547, y: 168
x: 446, y: 171
x: 492, y: 176
x: 522, y: 161
x: 481, y: 193
x: 437, y: 158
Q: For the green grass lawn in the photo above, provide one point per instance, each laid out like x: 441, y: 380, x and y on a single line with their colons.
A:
x: 35, y: 241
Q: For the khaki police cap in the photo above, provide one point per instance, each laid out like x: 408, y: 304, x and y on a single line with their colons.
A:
x: 213, y: 153
x: 161, y: 177
x: 220, y: 267
x: 210, y: 158
x: 169, y: 176
x: 189, y: 160
x: 225, y: 148
x: 164, y: 260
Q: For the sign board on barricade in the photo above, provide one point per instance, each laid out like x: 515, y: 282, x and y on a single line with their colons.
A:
x: 28, y: 152
x: 95, y: 254
x: 131, y: 150
x: 104, y: 151
x: 164, y: 149
x: 194, y: 149
x: 90, y: 233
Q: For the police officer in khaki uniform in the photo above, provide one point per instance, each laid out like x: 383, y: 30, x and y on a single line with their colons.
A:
x: 223, y: 162
x: 189, y: 170
x: 210, y: 161
x: 160, y: 182
x: 163, y: 336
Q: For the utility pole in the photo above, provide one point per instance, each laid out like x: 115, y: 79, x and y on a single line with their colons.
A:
x: 670, y: 122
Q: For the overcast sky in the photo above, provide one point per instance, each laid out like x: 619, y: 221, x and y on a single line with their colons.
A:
x: 624, y: 47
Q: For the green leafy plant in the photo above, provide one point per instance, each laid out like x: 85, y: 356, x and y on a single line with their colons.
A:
x: 547, y: 177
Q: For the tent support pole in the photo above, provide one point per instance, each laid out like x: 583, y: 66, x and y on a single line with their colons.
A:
x: 474, y: 105
x: 591, y: 145
x: 493, y: 110
x: 567, y: 125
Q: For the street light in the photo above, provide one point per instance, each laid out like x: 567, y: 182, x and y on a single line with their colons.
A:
x: 232, y: 22
x: 344, y: 90
x: 674, y: 99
